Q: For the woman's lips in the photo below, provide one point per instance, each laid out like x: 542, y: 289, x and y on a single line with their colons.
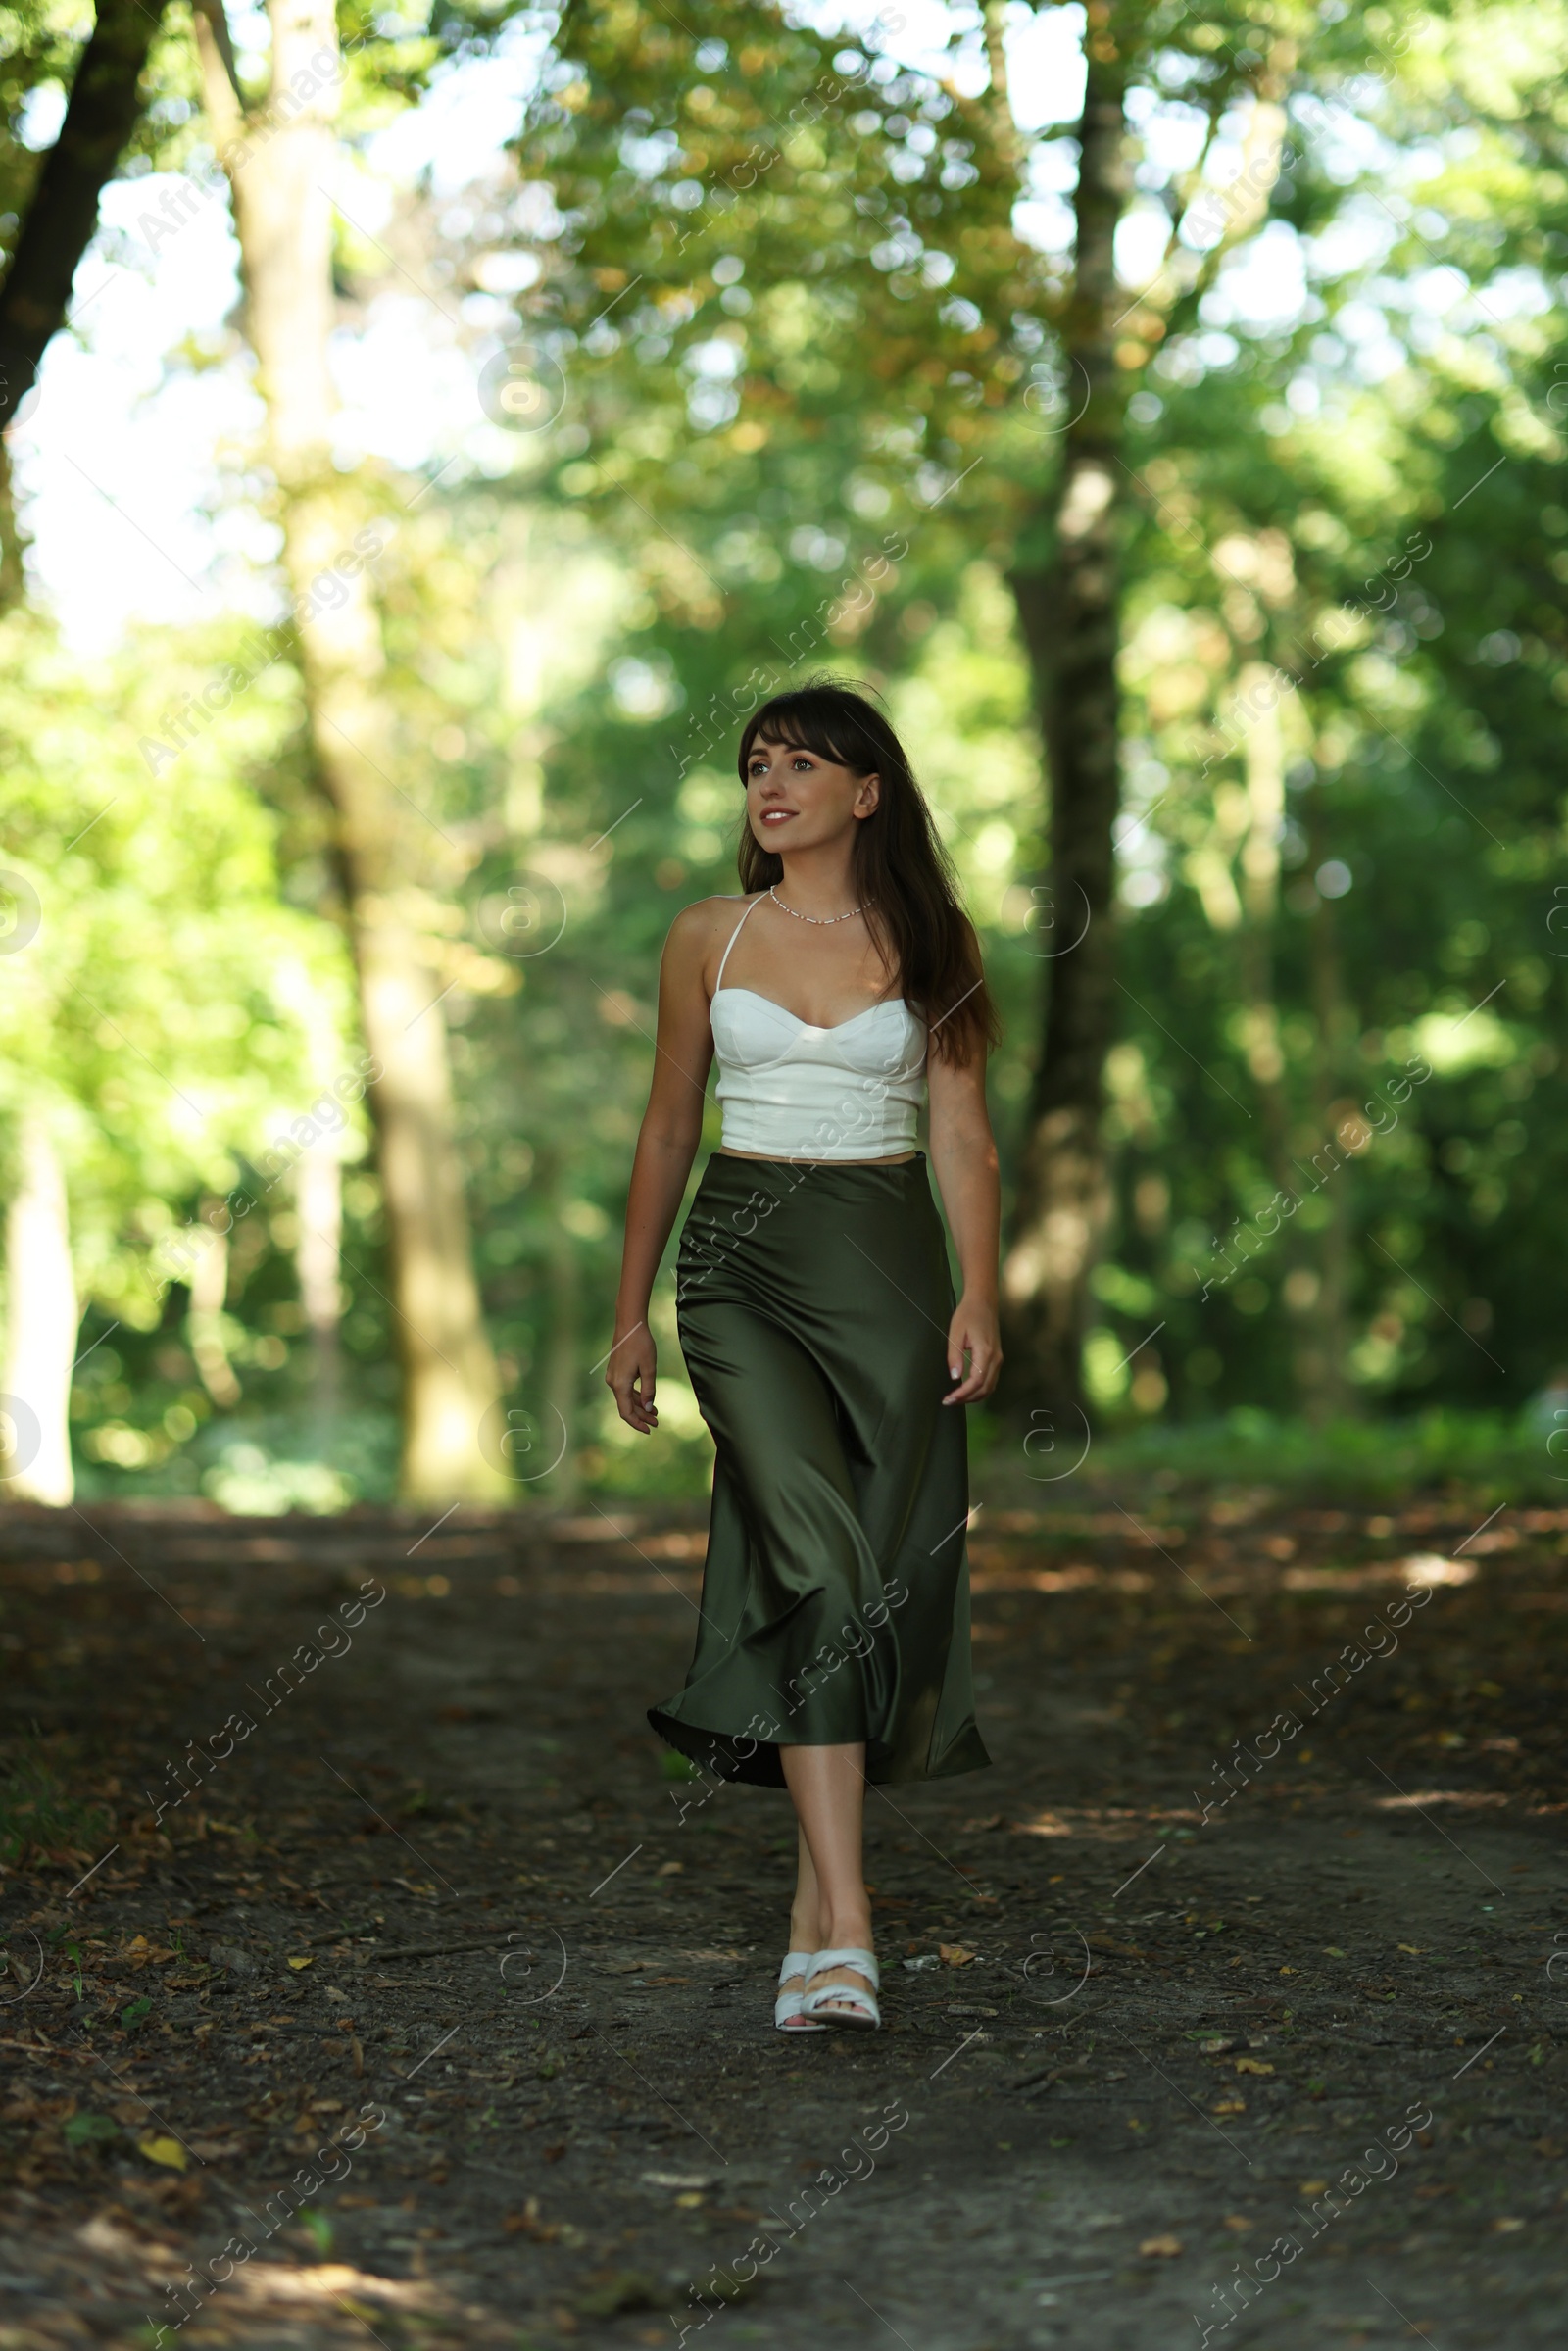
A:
x: 777, y: 815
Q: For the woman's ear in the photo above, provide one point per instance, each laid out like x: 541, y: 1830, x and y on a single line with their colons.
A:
x: 869, y: 797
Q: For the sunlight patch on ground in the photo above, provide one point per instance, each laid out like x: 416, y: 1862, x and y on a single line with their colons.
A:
x: 278, y: 2280
x: 1474, y: 1799
x: 1426, y: 1568
x: 1075, y: 1578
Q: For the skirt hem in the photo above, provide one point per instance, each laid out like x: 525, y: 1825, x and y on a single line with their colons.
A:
x: 703, y: 1744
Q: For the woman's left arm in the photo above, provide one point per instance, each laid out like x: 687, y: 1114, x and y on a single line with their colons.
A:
x: 964, y: 1156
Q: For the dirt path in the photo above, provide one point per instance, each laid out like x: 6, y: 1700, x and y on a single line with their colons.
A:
x: 437, y: 2012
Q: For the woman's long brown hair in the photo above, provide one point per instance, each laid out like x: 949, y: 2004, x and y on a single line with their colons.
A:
x: 902, y: 874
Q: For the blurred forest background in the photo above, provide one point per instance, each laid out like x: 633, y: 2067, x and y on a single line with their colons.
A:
x: 428, y: 437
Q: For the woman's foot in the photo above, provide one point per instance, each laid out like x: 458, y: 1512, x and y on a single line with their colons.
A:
x: 792, y: 1981
x: 844, y: 1992
x: 832, y: 1912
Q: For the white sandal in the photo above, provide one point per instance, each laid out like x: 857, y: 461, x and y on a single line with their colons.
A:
x: 850, y: 2004
x: 798, y: 1966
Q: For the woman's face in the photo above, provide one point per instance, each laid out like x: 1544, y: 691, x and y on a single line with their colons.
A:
x: 796, y: 800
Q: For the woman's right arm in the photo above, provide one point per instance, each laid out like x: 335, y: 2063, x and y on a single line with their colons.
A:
x: 666, y: 1146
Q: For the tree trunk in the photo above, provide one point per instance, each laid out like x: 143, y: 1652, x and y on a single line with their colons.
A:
x: 1264, y: 756
x: 564, y: 1365
x: 209, y: 1295
x: 100, y: 117
x: 317, y: 1265
x: 280, y: 165
x: 41, y: 1318
x: 1321, y: 1365
x: 1308, y: 1288
x: 1069, y: 615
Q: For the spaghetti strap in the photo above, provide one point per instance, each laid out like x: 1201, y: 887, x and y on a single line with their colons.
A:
x: 719, y: 981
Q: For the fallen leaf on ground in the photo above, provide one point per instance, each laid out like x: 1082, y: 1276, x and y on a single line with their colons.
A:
x: 626, y: 2290
x: 1161, y: 2248
x: 166, y: 2151
x: 955, y: 1954
x: 83, y: 2129
x: 1252, y: 2065
x: 306, y: 1961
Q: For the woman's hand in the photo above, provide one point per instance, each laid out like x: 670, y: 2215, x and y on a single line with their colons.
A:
x: 629, y: 1377
x: 666, y: 1146
x: 963, y: 1160
x: 973, y: 1332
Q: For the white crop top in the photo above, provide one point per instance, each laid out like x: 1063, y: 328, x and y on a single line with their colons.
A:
x: 792, y: 1090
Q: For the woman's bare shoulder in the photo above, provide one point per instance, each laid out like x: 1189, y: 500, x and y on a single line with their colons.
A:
x: 696, y: 927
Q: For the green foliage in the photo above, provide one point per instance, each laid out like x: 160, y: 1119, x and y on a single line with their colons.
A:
x: 167, y: 1001
x: 38, y: 1813
x: 318, y: 2226
x: 172, y: 1011
x: 1344, y: 644
x: 1486, y: 1457
x: 38, y: 48
x: 91, y: 2131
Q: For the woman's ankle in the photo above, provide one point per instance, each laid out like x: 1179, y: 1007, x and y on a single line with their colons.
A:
x: 803, y: 1931
x: 848, y: 1931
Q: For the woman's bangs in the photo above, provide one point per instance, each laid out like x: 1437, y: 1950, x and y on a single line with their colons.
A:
x: 797, y: 729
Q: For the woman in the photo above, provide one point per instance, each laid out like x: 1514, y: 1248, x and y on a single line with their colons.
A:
x: 814, y: 1303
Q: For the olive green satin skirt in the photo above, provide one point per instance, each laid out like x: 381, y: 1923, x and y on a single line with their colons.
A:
x: 813, y: 1303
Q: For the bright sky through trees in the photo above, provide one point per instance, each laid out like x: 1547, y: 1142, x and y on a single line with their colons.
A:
x: 118, y: 405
